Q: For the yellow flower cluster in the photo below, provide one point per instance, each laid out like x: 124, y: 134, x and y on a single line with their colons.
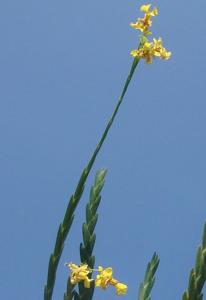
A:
x: 143, y: 24
x: 103, y: 279
x: 148, y: 50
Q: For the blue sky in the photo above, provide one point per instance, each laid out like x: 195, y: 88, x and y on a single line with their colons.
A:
x: 63, y: 65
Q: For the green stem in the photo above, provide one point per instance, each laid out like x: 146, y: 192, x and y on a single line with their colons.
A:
x: 74, y: 200
x: 134, y: 65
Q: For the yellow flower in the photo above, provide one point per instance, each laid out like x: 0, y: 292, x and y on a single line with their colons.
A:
x: 80, y: 273
x: 152, y: 13
x: 104, y: 278
x: 145, y: 7
x: 149, y: 50
x: 143, y: 24
x: 121, y: 288
x: 144, y: 52
x: 159, y: 50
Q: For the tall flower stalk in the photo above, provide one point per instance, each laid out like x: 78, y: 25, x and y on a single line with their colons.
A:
x: 146, y: 51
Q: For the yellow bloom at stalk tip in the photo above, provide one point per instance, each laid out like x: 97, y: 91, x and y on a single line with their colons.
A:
x: 80, y: 273
x: 159, y: 50
x: 152, y: 13
x: 144, y: 24
x: 150, y: 50
x: 144, y: 52
x: 145, y: 7
x: 104, y: 278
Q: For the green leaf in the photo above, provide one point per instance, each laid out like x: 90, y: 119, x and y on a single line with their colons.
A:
x: 149, y: 279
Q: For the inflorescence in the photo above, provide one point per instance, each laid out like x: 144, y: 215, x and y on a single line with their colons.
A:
x: 148, y: 49
x: 103, y: 279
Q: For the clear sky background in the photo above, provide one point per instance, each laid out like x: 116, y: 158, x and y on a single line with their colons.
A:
x: 62, y: 67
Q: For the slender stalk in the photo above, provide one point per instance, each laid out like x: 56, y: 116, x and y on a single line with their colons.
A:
x: 64, y: 227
